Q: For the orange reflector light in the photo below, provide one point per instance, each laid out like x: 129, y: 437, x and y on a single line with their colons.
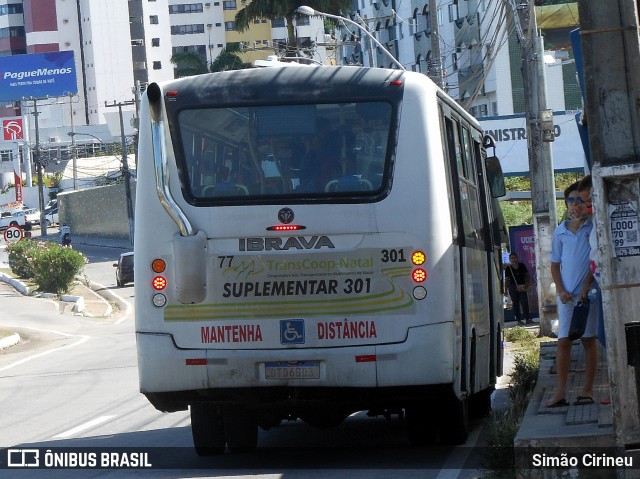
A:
x: 366, y: 358
x: 159, y: 283
x: 196, y: 362
x: 419, y: 275
x: 418, y: 258
x: 158, y: 265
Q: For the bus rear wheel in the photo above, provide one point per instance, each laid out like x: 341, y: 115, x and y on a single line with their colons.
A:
x: 241, y: 429
x: 422, y: 428
x: 454, y: 422
x: 207, y: 429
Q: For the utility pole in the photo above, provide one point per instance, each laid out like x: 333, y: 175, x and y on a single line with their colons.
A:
x: 74, y: 152
x: 539, y: 134
x: 125, y: 166
x: 436, y: 60
x: 38, y: 162
x: 137, y: 96
x: 611, y: 53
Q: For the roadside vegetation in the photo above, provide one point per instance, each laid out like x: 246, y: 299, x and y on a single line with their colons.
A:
x: 519, y: 212
x: 504, y: 424
x: 50, y: 266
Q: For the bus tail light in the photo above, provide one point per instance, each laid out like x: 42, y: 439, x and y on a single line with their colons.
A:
x: 158, y: 265
x: 418, y: 258
x: 286, y: 228
x: 159, y: 283
x: 419, y: 275
x: 159, y: 300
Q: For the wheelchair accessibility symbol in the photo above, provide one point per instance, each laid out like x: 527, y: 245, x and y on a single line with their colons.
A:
x: 292, y: 331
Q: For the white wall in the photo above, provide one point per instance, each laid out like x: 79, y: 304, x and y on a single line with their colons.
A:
x: 162, y: 30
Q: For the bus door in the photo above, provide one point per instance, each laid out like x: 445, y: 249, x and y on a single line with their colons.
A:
x: 475, y: 329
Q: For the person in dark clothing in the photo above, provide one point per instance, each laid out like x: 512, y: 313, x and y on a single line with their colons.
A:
x: 517, y: 279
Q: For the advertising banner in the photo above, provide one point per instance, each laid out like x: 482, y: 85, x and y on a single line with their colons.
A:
x: 37, y: 75
x: 510, y: 135
x: 522, y: 240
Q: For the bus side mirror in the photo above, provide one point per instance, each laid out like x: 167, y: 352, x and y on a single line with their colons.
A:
x: 495, y: 177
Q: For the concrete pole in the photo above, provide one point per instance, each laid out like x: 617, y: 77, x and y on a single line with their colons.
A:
x: 611, y: 52
x: 127, y: 176
x: 543, y: 199
x: 39, y: 168
x: 74, y: 152
x: 125, y: 167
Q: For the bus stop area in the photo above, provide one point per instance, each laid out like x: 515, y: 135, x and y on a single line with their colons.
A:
x: 570, y: 429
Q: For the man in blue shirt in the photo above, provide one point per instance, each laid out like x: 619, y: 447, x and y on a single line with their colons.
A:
x: 570, y: 270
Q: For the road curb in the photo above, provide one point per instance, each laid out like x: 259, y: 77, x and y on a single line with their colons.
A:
x: 22, y: 288
x: 107, y: 294
x: 17, y: 284
x: 9, y: 341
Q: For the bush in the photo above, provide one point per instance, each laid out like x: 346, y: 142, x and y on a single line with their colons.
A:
x: 516, y: 334
x: 524, y: 376
x: 503, y: 425
x: 19, y: 258
x: 52, y: 267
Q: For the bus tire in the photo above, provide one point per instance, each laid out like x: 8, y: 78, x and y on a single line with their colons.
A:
x: 241, y: 429
x: 454, y: 423
x: 480, y: 403
x: 207, y: 429
x: 422, y: 429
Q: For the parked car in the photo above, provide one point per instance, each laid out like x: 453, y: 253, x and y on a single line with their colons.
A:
x: 51, y: 215
x: 32, y: 216
x: 124, y: 271
x: 16, y: 219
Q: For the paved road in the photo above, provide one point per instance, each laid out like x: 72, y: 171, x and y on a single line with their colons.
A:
x: 73, y: 383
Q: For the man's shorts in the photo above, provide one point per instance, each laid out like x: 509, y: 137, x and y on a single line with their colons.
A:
x: 565, y: 311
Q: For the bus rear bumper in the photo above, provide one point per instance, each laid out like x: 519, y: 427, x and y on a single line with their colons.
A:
x: 172, y: 378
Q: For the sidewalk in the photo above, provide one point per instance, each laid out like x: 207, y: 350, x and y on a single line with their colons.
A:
x: 572, y: 426
x: 121, y: 243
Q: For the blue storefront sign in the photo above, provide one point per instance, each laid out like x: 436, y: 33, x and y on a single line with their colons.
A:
x: 37, y: 75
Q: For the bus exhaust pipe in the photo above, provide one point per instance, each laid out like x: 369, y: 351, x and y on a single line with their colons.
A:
x: 154, y: 94
x: 189, y: 247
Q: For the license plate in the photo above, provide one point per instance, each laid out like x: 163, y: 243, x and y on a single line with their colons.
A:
x: 292, y: 370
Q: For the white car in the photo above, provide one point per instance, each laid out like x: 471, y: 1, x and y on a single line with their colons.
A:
x: 32, y: 216
x: 51, y: 215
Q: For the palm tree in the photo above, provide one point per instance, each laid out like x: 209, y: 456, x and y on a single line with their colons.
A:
x: 188, y: 64
x: 228, y: 59
x: 273, y: 9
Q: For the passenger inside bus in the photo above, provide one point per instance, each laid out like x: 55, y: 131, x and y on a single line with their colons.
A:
x: 321, y: 162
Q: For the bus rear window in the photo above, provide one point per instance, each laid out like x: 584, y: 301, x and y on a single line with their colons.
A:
x: 253, y: 153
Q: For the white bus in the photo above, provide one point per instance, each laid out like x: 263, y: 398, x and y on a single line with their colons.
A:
x: 312, y: 242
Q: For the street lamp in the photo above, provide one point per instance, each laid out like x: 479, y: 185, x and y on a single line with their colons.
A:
x: 73, y: 134
x: 304, y: 10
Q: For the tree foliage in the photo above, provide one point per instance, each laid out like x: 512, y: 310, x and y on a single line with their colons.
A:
x: 229, y: 59
x: 188, y: 64
x: 274, y: 9
x: 520, y: 212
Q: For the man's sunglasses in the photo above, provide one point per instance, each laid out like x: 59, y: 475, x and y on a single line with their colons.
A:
x: 578, y: 200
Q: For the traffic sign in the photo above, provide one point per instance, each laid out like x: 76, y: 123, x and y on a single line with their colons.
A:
x: 13, y: 234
